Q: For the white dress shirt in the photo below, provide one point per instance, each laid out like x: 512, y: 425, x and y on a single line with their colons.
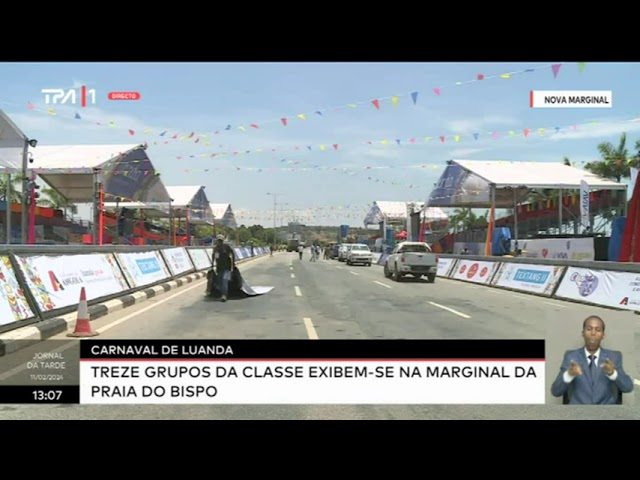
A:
x: 569, y: 378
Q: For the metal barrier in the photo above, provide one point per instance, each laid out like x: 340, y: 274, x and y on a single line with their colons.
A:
x: 43, y: 282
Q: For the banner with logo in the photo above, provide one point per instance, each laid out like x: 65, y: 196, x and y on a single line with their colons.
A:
x: 178, y: 260
x: 445, y: 265
x: 607, y: 288
x: 143, y: 268
x: 13, y: 304
x: 558, y: 248
x: 200, y: 258
x: 584, y: 204
x: 475, y: 271
x: 540, y: 279
x: 56, y: 282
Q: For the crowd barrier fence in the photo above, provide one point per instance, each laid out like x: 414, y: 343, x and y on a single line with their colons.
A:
x: 41, y: 282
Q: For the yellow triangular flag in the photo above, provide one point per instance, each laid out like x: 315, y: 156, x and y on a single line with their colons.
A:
x: 505, y: 75
x: 112, y: 123
x: 394, y: 100
x: 384, y: 142
x: 51, y: 111
x: 352, y: 105
x: 541, y: 130
x: 457, y: 137
x: 242, y: 128
x: 321, y: 147
x: 301, y: 116
x: 148, y: 130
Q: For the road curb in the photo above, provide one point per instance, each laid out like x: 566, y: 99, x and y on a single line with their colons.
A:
x: 20, y: 338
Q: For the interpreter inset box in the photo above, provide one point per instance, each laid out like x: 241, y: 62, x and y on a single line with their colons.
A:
x: 590, y: 359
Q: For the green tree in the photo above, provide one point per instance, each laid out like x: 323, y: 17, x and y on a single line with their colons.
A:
x: 55, y: 200
x: 616, y: 161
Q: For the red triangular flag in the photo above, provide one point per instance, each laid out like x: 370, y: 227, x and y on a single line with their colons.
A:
x: 284, y: 121
x: 335, y: 145
x: 131, y: 132
x: 480, y: 76
x: 556, y: 68
x: 254, y: 125
x: 376, y: 104
x: 526, y: 132
x: 442, y: 138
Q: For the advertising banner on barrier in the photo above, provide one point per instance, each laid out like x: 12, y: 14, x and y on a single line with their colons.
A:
x: 445, y: 265
x: 13, y: 304
x: 56, y: 281
x: 178, y: 260
x: 540, y: 279
x: 558, y: 248
x: 475, y: 271
x: 612, y: 289
x: 143, y: 268
x: 210, y: 253
x: 200, y: 258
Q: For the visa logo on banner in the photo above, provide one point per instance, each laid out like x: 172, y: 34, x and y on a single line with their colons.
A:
x: 538, y: 277
x: 149, y: 265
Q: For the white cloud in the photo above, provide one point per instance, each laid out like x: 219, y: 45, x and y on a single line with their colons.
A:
x: 465, y: 152
x: 600, y: 130
x: 481, y: 124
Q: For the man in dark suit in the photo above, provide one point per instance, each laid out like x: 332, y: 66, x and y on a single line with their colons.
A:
x: 592, y: 375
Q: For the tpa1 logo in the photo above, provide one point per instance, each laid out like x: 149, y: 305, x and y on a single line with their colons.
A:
x: 60, y: 96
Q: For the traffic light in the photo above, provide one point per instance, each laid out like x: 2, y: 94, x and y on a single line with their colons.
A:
x: 32, y: 188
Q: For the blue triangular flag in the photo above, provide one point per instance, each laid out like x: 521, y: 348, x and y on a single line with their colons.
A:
x: 398, y: 142
x: 414, y: 95
x: 78, y: 116
x: 228, y: 127
x: 309, y: 148
x: 162, y: 134
x: 319, y: 112
x: 475, y: 135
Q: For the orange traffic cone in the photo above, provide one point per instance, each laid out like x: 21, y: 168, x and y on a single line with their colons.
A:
x: 83, y: 324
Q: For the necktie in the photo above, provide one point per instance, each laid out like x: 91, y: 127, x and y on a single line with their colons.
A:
x: 592, y: 367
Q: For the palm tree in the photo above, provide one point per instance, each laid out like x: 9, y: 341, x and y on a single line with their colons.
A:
x: 57, y: 201
x: 16, y: 195
x: 616, y: 161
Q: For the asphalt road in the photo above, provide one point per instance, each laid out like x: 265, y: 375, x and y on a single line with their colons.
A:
x: 328, y: 299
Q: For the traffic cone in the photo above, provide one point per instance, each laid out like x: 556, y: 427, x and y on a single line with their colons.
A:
x: 83, y: 324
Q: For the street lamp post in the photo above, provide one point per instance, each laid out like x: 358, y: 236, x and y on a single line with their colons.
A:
x: 275, y: 198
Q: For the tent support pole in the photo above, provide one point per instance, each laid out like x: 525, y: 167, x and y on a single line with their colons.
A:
x: 515, y: 218
x: 8, y: 210
x: 560, y: 211
x: 624, y: 202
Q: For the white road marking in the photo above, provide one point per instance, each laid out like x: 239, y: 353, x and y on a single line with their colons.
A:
x: 311, y: 329
x: 293, y: 276
x: 338, y: 266
x: 455, y: 312
x: 298, y: 292
x: 353, y: 273
x: 382, y: 284
x: 554, y: 304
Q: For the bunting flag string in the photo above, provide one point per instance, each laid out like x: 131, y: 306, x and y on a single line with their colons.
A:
x: 170, y: 134
x: 546, y: 131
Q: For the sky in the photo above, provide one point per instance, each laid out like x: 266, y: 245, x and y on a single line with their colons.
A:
x: 340, y: 149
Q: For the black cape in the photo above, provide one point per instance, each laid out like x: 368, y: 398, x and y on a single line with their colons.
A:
x: 238, y: 287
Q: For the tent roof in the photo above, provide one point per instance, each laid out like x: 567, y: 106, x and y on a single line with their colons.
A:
x: 223, y: 214
x: 219, y: 209
x: 398, y: 211
x: 69, y: 169
x: 535, y: 175
x: 183, y: 195
x: 467, y: 183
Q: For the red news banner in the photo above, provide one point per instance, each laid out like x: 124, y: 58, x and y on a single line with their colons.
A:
x: 318, y: 372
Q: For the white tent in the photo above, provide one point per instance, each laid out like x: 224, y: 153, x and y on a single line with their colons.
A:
x: 382, y: 211
x: 223, y: 214
x: 191, y: 200
x: 481, y: 184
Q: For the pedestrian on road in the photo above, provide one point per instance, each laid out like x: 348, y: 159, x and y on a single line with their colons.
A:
x: 224, y: 259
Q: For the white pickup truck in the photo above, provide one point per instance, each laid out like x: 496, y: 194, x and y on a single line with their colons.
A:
x: 411, y: 258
